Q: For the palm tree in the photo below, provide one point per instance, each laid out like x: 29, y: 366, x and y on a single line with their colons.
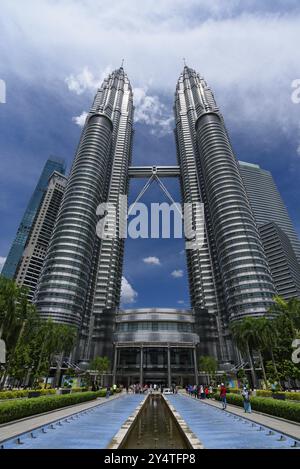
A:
x: 13, y: 312
x: 64, y: 338
x: 244, y: 334
x: 258, y: 341
x: 269, y: 337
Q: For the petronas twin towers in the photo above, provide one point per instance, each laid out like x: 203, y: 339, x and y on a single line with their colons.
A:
x: 229, y: 276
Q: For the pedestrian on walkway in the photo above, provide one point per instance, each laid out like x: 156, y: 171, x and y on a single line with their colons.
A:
x: 107, y: 391
x: 246, y: 400
x: 223, y: 392
x: 206, y: 392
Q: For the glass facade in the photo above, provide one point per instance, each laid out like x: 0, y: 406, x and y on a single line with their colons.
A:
x: 17, y: 248
x: 150, y: 364
x: 154, y: 326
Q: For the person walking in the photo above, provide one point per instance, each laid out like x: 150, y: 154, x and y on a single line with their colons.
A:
x: 206, y: 392
x: 246, y: 400
x: 107, y: 392
x: 210, y: 391
x: 223, y: 392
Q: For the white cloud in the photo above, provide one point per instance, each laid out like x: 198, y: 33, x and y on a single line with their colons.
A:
x: 152, y: 260
x: 128, y: 294
x: 180, y: 302
x: 177, y: 273
x: 80, y: 120
x: 249, y: 54
x: 2, y: 262
x: 151, y: 111
x: 86, y: 80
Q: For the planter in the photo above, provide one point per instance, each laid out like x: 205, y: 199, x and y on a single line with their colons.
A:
x: 34, y: 394
x: 280, y: 396
x: 66, y: 391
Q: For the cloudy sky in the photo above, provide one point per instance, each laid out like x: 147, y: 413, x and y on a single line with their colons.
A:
x: 55, y: 53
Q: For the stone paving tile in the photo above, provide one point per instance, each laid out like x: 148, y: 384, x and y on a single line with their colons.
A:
x: 91, y: 430
x: 220, y: 429
x: 12, y: 429
x: 280, y: 425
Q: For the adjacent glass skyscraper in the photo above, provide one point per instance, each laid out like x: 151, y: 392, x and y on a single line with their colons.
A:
x: 31, y: 263
x: 279, y: 237
x: 266, y: 201
x: 17, y: 248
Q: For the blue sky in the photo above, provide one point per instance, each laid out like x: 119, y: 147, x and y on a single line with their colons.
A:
x: 54, y: 55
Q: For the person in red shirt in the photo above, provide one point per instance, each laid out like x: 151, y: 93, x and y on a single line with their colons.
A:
x: 206, y: 392
x: 223, y: 392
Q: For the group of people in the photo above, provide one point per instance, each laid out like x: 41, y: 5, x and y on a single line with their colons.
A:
x: 200, y: 391
x: 246, y: 393
x: 142, y: 389
x: 206, y: 392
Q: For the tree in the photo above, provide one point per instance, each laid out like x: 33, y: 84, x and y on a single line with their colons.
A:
x: 269, y: 335
x: 100, y: 365
x: 209, y: 365
x: 31, y: 343
x: 244, y: 335
x: 241, y: 375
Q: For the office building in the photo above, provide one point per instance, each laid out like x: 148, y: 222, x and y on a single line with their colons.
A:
x: 30, y: 266
x: 18, y: 245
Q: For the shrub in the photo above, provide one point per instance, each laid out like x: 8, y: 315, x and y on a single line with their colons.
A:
x: 83, y: 389
x: 24, y: 393
x: 18, y: 409
x: 234, y: 390
x: 294, y: 396
x: 46, y: 392
x: 263, y: 393
x: 268, y: 405
x: 13, y: 394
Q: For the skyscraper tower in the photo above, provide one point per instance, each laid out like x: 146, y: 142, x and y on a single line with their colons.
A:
x: 30, y: 266
x: 81, y: 277
x: 229, y: 277
x: 266, y: 201
x: 17, y: 248
x: 279, y: 237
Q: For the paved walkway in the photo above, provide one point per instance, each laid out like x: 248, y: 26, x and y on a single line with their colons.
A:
x: 276, y: 423
x: 89, y: 425
x: 218, y: 429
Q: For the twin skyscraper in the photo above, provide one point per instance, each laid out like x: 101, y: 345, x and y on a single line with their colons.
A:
x: 229, y: 276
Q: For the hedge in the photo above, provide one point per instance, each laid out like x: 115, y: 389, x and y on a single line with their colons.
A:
x: 18, y: 409
x: 263, y: 393
x: 234, y: 390
x: 294, y: 396
x: 24, y: 393
x: 83, y: 389
x: 268, y: 405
